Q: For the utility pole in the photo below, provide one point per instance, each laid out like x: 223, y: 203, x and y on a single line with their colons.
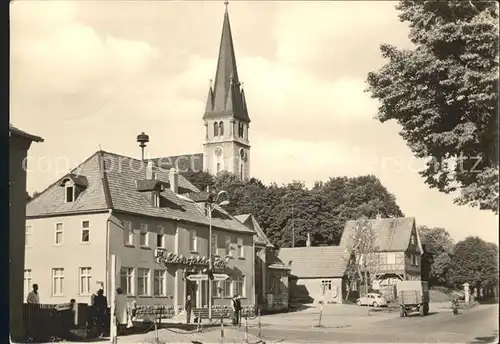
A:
x: 210, y: 209
x: 293, y: 229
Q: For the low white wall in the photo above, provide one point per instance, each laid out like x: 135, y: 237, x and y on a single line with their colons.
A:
x: 313, y: 286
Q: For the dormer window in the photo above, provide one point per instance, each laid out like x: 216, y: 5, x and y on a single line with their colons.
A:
x: 70, y: 192
x: 73, y: 186
x: 152, y: 189
x: 155, y: 198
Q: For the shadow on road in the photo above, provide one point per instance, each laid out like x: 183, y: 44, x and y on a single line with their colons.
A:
x: 418, y: 315
x: 487, y: 339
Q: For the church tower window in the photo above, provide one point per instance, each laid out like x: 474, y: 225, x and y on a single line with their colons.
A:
x: 218, y: 167
x: 241, y: 171
x: 240, y: 129
x: 221, y: 128
x: 216, y: 129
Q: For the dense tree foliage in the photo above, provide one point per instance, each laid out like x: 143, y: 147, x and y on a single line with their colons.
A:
x: 201, y: 180
x: 444, y: 94
x: 294, y: 210
x: 476, y: 262
x: 438, y: 248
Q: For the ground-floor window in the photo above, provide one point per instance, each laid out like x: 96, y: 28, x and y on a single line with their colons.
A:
x: 216, y: 289
x: 160, y: 283
x: 239, y: 286
x: 27, y: 281
x: 126, y: 280
x: 57, y: 282
x: 326, y: 285
x: 226, y: 288
x: 143, y: 277
x: 85, y: 281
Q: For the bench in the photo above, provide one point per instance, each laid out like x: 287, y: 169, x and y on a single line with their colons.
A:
x: 216, y: 313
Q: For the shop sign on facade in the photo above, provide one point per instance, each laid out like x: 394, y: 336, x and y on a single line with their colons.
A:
x: 165, y: 257
x: 220, y: 277
x: 197, y: 277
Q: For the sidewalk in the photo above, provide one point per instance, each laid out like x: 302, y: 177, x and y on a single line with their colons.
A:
x: 208, y: 336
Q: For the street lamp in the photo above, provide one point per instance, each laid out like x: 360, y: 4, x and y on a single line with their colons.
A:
x: 212, y: 202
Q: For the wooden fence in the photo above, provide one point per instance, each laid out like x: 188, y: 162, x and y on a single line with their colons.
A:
x: 45, y: 321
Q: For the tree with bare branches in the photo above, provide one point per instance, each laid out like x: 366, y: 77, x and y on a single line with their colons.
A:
x: 362, y: 245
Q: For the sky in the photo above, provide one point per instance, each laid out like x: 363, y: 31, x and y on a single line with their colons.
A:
x: 87, y: 75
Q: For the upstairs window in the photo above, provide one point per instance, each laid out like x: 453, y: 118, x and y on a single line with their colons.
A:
x: 193, y: 241
x: 59, y: 234
x: 216, y: 129
x: 227, y: 245
x: 144, y: 235
x: 241, y: 248
x: 128, y: 233
x: 85, y: 231
x: 160, y: 237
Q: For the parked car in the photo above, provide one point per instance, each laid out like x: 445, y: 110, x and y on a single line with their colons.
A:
x: 372, y: 299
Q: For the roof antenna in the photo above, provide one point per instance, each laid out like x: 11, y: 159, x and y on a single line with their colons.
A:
x: 142, y: 138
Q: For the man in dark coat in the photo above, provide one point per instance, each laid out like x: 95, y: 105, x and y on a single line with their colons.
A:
x: 187, y: 307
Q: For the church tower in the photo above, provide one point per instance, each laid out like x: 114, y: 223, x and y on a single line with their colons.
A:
x: 226, y: 146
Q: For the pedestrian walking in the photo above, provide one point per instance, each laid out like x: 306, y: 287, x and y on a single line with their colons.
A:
x: 187, y: 307
x: 121, y: 311
x: 33, y: 314
x: 238, y: 309
x: 33, y: 296
x: 99, y: 306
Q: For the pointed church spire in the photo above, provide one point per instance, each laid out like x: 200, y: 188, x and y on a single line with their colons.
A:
x: 226, y: 66
x: 210, y: 99
x: 226, y: 95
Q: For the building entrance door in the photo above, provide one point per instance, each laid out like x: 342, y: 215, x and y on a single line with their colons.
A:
x: 204, y: 294
x: 192, y: 289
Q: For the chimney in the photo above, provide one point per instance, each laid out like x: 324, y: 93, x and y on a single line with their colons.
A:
x: 308, y: 242
x: 150, y: 170
x: 174, y: 180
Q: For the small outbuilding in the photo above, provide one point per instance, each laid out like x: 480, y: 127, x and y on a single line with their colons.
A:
x: 317, y: 273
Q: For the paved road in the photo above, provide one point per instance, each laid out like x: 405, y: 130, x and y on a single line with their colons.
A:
x: 479, y: 325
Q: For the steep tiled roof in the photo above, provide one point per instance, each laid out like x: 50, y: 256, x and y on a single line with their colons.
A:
x: 16, y: 131
x: 393, y: 234
x: 51, y: 201
x: 315, y: 262
x: 112, y: 185
x: 250, y: 221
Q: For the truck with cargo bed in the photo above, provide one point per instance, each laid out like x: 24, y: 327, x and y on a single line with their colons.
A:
x: 413, y: 297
